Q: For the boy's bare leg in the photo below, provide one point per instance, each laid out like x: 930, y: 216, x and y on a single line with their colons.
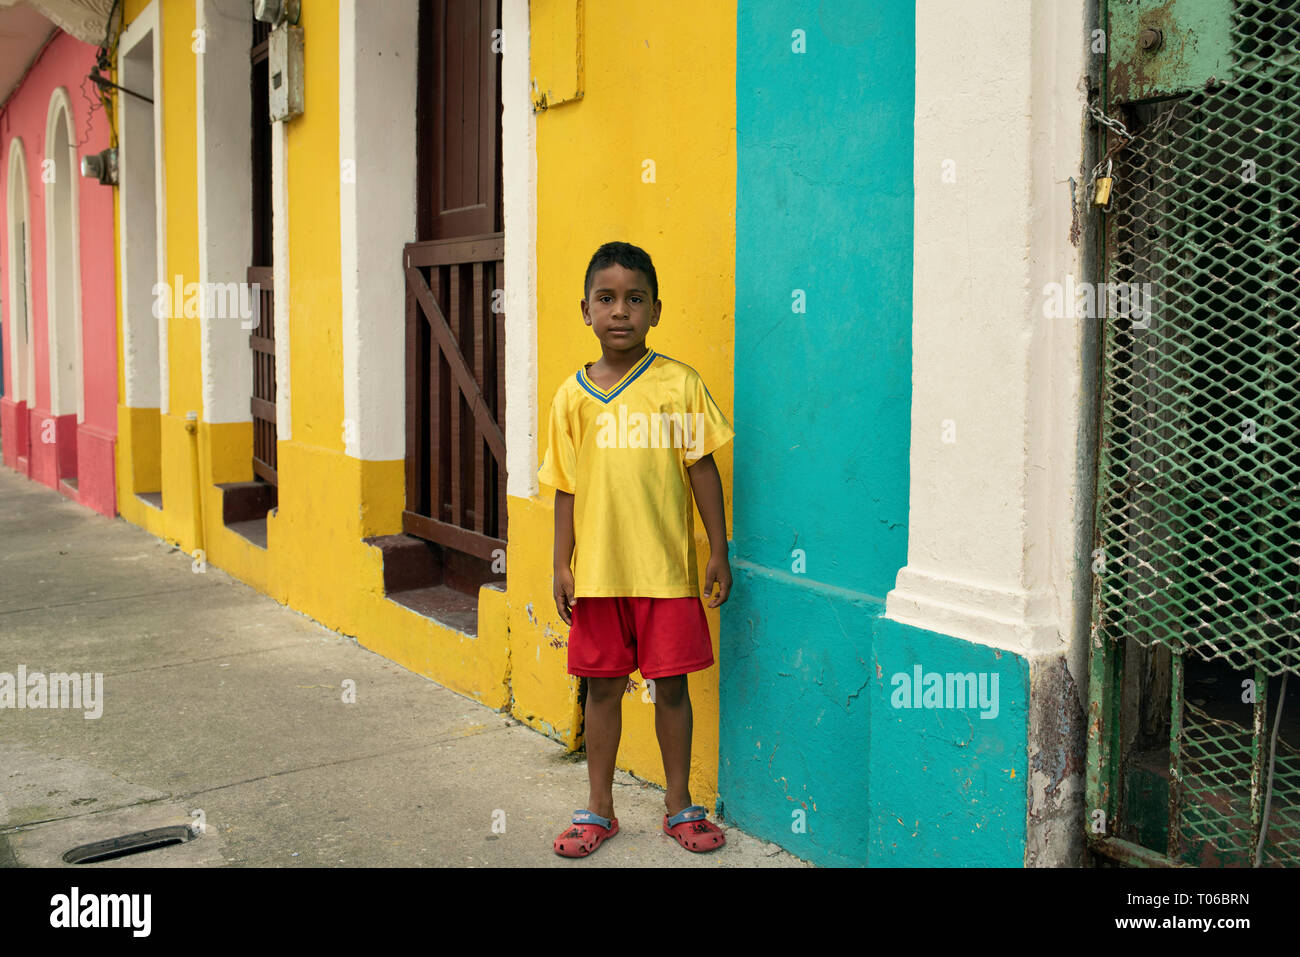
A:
x: 673, y: 725
x: 604, y: 727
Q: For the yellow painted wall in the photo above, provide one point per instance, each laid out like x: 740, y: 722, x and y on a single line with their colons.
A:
x: 644, y: 99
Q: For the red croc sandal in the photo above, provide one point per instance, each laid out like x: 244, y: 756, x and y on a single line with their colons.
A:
x: 588, y: 832
x: 693, y: 832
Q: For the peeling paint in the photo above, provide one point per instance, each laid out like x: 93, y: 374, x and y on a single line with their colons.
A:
x: 1056, y: 761
x: 1060, y: 733
x: 553, y: 638
x: 1194, y: 47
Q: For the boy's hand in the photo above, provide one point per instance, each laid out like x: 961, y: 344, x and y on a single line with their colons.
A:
x: 718, y: 570
x: 564, y: 600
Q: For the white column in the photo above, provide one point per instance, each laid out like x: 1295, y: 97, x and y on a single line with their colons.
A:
x: 225, y: 174
x: 141, y: 212
x: 994, y: 547
x: 519, y: 175
x: 378, y: 56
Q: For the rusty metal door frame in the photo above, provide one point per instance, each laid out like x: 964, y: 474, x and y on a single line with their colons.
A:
x: 1191, y: 80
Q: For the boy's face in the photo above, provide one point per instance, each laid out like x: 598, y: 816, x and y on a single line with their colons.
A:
x: 619, y: 309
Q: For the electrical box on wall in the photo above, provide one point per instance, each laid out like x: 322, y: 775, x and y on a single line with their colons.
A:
x: 284, y: 59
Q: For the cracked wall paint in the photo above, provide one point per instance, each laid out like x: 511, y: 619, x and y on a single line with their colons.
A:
x: 1057, y: 746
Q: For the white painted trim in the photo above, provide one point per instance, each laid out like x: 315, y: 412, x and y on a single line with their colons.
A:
x: 224, y: 174
x: 160, y: 168
x: 519, y: 178
x: 24, y: 350
x: 143, y: 336
x: 57, y: 272
x: 994, y: 545
x: 1008, y: 618
x: 378, y: 50
x: 280, y: 244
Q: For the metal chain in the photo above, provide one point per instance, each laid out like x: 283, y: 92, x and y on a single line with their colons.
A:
x: 1120, y: 131
x: 1112, y: 124
x: 1123, y: 138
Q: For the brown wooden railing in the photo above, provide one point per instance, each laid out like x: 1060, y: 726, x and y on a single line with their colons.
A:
x: 455, y: 393
x: 262, y: 404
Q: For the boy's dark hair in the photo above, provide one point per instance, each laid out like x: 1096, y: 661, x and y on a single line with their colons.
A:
x: 627, y: 256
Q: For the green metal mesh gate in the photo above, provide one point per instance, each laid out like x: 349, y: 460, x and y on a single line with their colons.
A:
x: 1198, y: 495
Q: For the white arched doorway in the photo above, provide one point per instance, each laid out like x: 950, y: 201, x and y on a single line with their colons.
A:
x: 62, y: 259
x: 22, y: 362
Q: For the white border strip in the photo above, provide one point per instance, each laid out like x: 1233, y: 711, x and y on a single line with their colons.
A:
x: 280, y: 242
x: 519, y: 178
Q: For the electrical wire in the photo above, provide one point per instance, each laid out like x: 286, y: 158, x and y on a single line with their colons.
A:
x: 92, y: 105
x: 105, y: 55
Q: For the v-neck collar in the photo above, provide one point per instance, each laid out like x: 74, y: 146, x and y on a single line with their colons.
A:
x: 606, y: 395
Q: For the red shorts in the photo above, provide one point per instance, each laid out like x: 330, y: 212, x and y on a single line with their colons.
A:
x: 662, y: 637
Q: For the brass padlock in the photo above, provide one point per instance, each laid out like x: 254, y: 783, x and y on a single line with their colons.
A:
x: 1102, y: 185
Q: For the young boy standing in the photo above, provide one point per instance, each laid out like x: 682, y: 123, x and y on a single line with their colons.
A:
x: 631, y: 438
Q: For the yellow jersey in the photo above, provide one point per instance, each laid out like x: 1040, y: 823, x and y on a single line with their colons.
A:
x: 623, y: 453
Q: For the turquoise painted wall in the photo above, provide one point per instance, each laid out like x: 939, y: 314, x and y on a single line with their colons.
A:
x: 813, y: 754
x: 824, y: 205
x: 949, y: 785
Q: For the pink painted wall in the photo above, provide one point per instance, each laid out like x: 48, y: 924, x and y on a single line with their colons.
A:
x: 87, y: 447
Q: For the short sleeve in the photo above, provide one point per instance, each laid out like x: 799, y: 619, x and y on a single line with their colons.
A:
x: 710, y: 429
x: 560, y: 467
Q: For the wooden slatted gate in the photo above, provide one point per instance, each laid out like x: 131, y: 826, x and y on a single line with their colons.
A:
x: 262, y: 339
x: 262, y: 404
x: 455, y: 394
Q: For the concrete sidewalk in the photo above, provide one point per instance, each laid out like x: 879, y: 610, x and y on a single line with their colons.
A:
x: 219, y: 700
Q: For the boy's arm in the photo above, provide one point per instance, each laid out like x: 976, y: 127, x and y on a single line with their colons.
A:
x: 706, y: 484
x: 564, y: 555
